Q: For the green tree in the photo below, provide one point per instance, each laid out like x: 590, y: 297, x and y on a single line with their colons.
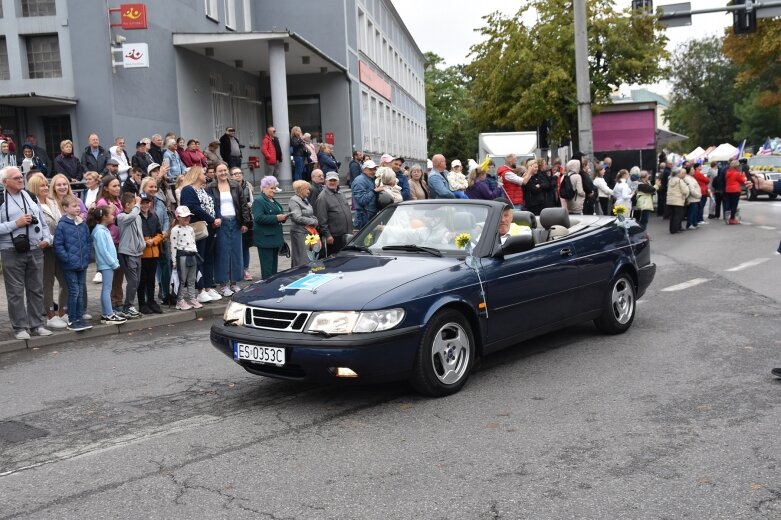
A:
x: 759, y: 57
x: 523, y: 74
x: 451, y: 132
x: 704, y: 93
x: 756, y: 122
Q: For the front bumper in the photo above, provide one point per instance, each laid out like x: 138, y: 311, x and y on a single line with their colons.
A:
x: 644, y: 278
x: 375, y: 357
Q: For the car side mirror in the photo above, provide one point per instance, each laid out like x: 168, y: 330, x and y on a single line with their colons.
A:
x: 518, y: 244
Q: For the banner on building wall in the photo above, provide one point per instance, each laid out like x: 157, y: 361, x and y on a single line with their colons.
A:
x: 329, y: 138
x: 373, y: 80
x: 135, y: 55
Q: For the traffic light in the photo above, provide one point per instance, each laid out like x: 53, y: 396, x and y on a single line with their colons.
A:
x: 646, y: 5
x: 744, y: 21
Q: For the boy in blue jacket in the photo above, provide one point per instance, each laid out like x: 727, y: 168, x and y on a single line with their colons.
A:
x: 72, y: 247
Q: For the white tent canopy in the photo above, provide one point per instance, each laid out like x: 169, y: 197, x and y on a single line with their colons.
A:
x: 723, y: 152
x: 695, y: 154
x: 499, y: 144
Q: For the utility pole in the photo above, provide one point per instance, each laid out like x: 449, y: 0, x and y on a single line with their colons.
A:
x: 583, y: 81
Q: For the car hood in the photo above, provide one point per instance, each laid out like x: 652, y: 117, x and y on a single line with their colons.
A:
x: 359, y: 280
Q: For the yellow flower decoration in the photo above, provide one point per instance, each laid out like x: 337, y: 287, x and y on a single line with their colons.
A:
x: 462, y: 240
x: 619, y: 210
x: 311, y: 240
x: 369, y: 240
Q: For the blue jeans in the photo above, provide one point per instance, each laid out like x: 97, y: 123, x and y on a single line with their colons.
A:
x: 230, y: 255
x: 298, y: 173
x: 75, y: 281
x: 460, y: 194
x: 701, y: 211
x: 692, y: 212
x: 234, y: 162
x: 105, y: 291
x: 645, y: 214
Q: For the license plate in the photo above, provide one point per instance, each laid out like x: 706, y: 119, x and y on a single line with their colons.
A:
x: 259, y: 354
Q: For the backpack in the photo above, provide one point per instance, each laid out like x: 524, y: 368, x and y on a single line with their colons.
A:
x: 566, y: 191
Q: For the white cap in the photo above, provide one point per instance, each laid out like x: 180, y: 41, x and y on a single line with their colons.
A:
x: 183, y: 211
x: 455, y: 163
x: 369, y: 164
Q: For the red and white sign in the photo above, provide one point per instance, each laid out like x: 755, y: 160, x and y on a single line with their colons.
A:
x: 373, y: 80
x: 133, y: 16
x: 135, y: 55
x: 329, y: 138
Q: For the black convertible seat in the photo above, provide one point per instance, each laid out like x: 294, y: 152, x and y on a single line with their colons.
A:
x: 524, y: 218
x: 554, y: 217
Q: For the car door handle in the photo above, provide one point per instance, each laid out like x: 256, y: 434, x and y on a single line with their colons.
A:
x: 566, y: 252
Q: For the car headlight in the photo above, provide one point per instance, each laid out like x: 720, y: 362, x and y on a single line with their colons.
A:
x: 373, y: 321
x: 346, y: 322
x: 234, y: 314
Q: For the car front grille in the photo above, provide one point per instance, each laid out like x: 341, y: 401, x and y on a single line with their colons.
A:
x: 293, y: 321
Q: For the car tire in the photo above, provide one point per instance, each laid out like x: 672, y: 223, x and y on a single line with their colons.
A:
x: 445, y: 356
x: 619, y: 306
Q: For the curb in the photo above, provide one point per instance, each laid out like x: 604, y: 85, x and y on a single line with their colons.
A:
x: 100, y: 330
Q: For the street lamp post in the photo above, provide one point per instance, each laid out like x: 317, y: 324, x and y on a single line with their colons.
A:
x: 585, y: 138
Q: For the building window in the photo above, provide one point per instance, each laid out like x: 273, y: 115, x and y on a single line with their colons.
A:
x: 43, y: 56
x: 211, y: 9
x: 38, y: 8
x: 5, y: 73
x: 230, y: 14
x: 55, y: 130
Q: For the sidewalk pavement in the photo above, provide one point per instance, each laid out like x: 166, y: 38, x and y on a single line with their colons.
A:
x: 170, y: 315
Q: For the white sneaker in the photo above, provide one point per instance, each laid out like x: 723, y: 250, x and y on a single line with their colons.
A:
x: 235, y: 288
x: 225, y: 291
x: 86, y: 317
x: 214, y: 295
x: 40, y: 331
x: 56, y: 323
x: 22, y: 334
x: 98, y: 278
x: 203, y: 297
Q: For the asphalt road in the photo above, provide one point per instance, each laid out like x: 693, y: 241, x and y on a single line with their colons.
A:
x: 677, y: 418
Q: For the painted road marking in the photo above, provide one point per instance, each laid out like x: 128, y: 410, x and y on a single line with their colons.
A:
x: 686, y: 285
x: 746, y: 265
x: 769, y: 228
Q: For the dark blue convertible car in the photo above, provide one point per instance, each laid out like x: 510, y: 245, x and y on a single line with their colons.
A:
x: 428, y: 286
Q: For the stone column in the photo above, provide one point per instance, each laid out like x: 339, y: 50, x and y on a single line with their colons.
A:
x: 278, y: 79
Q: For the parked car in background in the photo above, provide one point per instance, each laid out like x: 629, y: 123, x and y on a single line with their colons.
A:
x: 403, y: 300
x: 766, y: 167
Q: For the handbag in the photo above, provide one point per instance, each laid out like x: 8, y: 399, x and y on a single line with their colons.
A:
x: 200, y: 229
x: 284, y: 250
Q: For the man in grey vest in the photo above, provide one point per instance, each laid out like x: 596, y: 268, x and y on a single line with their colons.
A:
x: 23, y: 237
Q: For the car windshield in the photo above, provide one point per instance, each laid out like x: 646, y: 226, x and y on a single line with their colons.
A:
x: 433, y: 226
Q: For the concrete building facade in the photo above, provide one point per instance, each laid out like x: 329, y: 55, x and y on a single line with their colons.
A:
x: 346, y: 71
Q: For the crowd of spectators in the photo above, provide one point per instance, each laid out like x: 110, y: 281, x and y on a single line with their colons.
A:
x: 174, y: 224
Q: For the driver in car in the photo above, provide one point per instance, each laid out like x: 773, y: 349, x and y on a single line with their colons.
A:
x: 507, y: 228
